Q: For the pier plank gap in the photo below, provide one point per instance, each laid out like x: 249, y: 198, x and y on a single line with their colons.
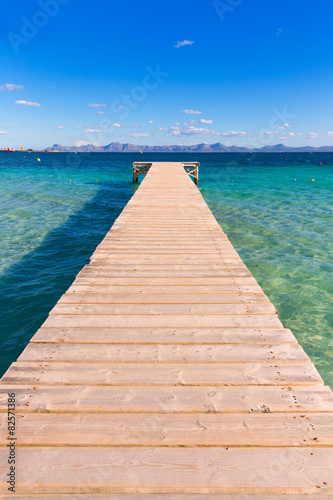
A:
x: 165, y: 372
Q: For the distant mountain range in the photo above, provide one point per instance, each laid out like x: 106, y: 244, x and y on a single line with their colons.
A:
x: 218, y: 147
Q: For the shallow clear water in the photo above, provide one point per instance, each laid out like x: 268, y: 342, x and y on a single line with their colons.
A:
x: 54, y: 213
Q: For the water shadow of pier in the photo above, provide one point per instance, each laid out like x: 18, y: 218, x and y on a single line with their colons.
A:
x: 31, y: 287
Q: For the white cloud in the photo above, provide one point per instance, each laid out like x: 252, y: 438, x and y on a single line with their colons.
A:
x: 95, y: 105
x: 140, y: 135
x: 151, y: 122
x: 27, y: 103
x: 233, y: 133
x: 280, y: 127
x: 191, y: 130
x: 117, y: 125
x: 183, y: 43
x: 268, y: 132
x: 10, y: 87
x: 286, y: 135
x: 162, y: 129
x: 3, y: 132
x: 191, y: 112
x: 330, y: 133
x: 312, y: 135
x: 286, y: 125
x: 207, y: 122
x: 80, y: 143
x: 60, y: 126
x: 93, y: 131
x: 100, y: 112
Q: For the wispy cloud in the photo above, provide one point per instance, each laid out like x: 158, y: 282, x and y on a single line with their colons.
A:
x: 191, y: 130
x: 268, y: 132
x: 134, y: 125
x: 3, y: 132
x: 286, y: 135
x: 10, y: 87
x: 312, y: 135
x: 162, y: 129
x: 234, y: 133
x: 60, y: 126
x: 28, y: 103
x: 191, y: 112
x: 183, y: 43
x: 151, y: 122
x: 139, y: 135
x: 207, y: 122
x: 95, y: 105
x: 93, y: 131
x: 100, y: 112
x: 330, y: 133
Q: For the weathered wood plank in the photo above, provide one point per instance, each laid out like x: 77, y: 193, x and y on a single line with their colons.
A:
x: 106, y: 273
x: 173, y: 470
x: 160, y: 298
x: 167, y: 289
x: 164, y: 496
x: 137, y: 374
x: 211, y: 281
x: 255, y: 430
x: 163, y: 309
x: 157, y: 321
x: 140, y: 353
x: 168, y: 399
x: 173, y: 336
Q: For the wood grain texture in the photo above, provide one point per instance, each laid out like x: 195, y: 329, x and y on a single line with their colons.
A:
x: 255, y: 430
x: 137, y: 374
x: 169, y: 399
x: 139, y: 353
x: 165, y: 335
x: 173, y: 470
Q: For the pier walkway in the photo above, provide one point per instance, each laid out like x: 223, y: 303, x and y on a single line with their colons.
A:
x: 165, y: 369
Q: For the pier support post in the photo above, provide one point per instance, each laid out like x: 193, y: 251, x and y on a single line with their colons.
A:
x: 140, y: 168
x: 193, y: 170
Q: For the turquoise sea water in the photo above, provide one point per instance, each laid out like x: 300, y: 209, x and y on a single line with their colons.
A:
x: 54, y: 213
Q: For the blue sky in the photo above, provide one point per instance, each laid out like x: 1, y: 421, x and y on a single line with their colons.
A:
x: 244, y: 72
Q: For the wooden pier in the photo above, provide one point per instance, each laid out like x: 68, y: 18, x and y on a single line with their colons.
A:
x: 164, y: 369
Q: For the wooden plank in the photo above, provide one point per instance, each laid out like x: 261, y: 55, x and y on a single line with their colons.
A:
x: 90, y: 280
x: 165, y: 309
x: 160, y: 298
x: 158, y: 470
x: 110, y: 273
x: 168, y: 399
x: 136, y: 374
x: 164, y: 496
x: 255, y: 430
x: 265, y: 336
x: 158, y: 321
x: 166, y: 289
x: 141, y: 353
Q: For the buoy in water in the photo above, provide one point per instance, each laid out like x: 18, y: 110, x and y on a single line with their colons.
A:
x: 37, y: 159
x: 313, y: 179
x: 320, y: 163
